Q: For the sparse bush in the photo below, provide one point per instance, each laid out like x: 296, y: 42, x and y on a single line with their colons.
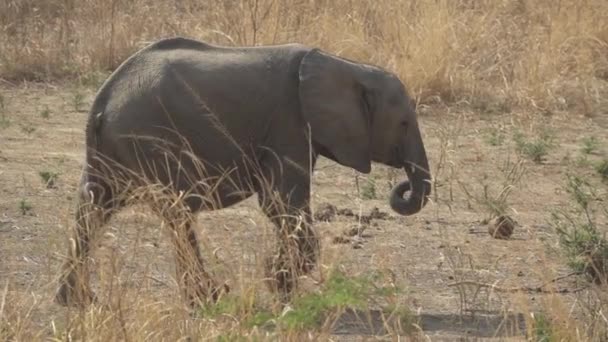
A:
x: 495, y: 201
x: 49, y: 178
x: 4, y: 122
x: 536, y: 149
x: 25, y: 207
x: 542, y: 329
x: 590, y: 145
x: 579, y: 233
x: 496, y: 137
x: 368, y: 189
x: 78, y: 101
x: 45, y: 113
x: 602, y: 169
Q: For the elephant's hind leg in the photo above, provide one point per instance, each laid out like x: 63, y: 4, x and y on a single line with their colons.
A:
x: 94, y: 207
x: 196, y: 284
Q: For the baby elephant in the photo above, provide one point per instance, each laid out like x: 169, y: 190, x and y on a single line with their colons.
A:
x: 189, y: 126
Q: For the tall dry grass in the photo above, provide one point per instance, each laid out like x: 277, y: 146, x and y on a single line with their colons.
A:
x: 493, y: 54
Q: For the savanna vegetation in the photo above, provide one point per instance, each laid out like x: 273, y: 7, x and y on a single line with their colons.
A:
x: 512, y: 96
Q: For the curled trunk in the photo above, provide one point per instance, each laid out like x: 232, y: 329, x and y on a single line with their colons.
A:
x: 418, y: 186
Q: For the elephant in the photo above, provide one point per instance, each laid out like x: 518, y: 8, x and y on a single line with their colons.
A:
x: 211, y: 126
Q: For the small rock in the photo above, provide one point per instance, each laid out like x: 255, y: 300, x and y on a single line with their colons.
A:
x: 325, y: 212
x: 520, y: 274
x: 502, y: 227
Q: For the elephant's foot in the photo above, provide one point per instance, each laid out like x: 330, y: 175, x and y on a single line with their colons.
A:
x: 70, y: 294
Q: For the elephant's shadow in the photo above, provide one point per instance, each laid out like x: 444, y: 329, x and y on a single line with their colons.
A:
x: 372, y: 323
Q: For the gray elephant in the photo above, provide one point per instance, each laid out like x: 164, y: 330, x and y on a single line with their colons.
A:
x: 215, y: 125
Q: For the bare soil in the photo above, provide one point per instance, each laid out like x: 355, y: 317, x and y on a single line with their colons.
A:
x: 441, y: 256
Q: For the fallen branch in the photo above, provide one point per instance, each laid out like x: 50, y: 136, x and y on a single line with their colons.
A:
x: 535, y: 289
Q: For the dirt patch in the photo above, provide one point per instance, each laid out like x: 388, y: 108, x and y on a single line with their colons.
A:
x: 426, y: 253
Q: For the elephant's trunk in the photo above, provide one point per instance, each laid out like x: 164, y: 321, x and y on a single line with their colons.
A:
x: 419, y: 184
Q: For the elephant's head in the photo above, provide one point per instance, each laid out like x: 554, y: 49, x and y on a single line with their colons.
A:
x: 360, y: 113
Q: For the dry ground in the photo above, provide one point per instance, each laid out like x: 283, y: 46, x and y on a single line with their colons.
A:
x: 429, y: 253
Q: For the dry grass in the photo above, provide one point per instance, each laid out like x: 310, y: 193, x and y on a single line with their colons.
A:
x: 494, y: 54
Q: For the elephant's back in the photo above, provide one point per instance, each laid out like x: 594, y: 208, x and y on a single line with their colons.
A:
x: 196, y: 108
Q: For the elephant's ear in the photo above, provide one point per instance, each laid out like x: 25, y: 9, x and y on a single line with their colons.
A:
x: 333, y: 103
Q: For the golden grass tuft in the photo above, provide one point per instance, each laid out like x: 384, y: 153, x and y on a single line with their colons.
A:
x: 543, y: 54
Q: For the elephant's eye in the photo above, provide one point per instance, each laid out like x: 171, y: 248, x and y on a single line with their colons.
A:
x: 404, y: 124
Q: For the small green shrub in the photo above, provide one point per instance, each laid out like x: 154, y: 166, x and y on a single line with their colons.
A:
x: 4, y: 121
x: 45, y: 113
x: 583, y: 243
x: 78, y: 101
x: 368, y: 189
x: 537, y: 149
x: 542, y: 329
x: 49, y: 178
x: 495, y: 137
x: 602, y: 169
x: 590, y: 145
x: 25, y: 207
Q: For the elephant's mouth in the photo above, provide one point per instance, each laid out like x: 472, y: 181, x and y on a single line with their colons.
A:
x: 395, y: 158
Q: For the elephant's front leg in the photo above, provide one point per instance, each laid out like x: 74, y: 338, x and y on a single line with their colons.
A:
x: 297, y: 243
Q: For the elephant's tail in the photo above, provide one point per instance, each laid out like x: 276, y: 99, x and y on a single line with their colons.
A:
x: 92, y: 144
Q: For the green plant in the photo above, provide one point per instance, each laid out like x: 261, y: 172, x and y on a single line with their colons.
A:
x: 4, y: 121
x: 339, y: 293
x: 590, y: 145
x: 542, y: 328
x: 368, y: 189
x: 602, y: 169
x: 495, y: 137
x: 309, y: 311
x: 78, y: 101
x: 24, y: 206
x: 49, y: 178
x: 45, y: 113
x: 584, y: 244
x: 495, y: 200
x: 536, y: 149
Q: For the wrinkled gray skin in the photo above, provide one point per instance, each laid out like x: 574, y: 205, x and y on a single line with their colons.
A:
x: 247, y: 114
